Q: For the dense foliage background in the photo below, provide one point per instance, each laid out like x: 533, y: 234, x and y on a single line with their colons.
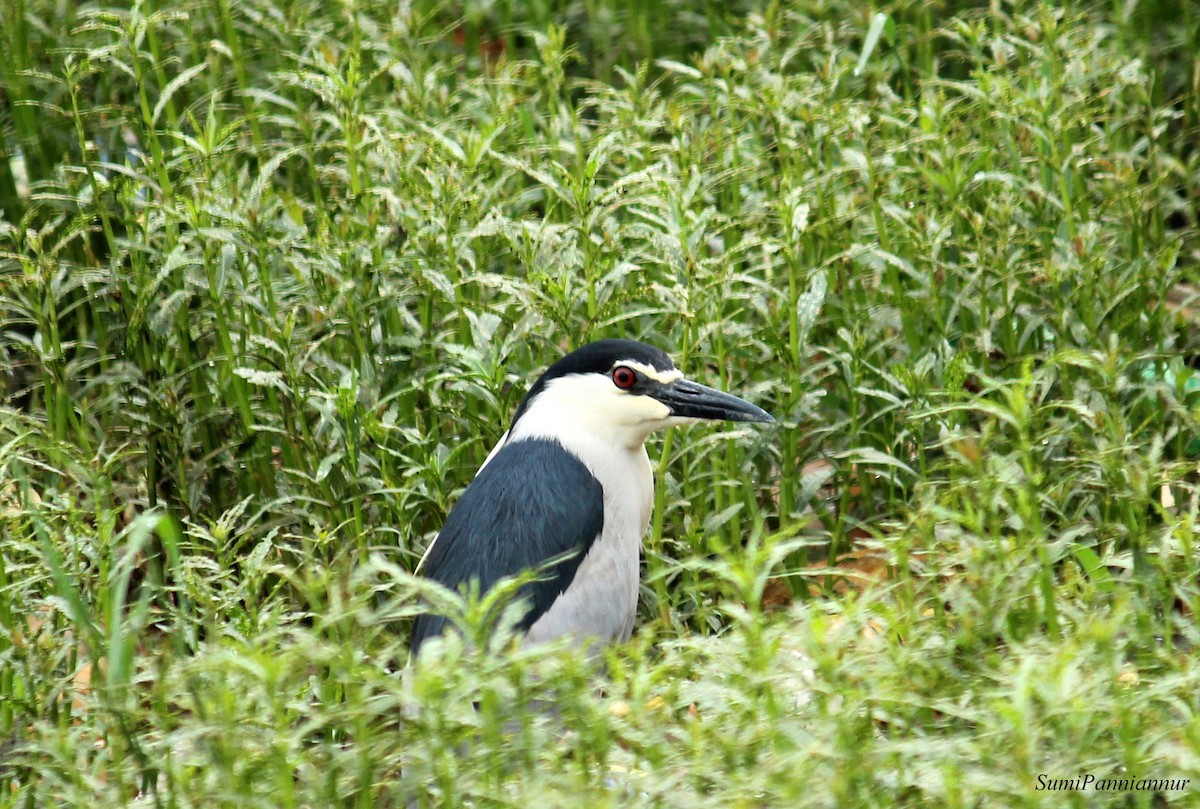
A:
x: 274, y: 275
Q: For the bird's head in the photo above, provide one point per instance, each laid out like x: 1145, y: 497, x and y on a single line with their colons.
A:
x: 621, y: 391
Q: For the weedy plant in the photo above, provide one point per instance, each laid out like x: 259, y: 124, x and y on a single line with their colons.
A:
x: 273, y: 276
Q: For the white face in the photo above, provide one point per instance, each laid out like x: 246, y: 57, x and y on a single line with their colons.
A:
x: 595, y: 405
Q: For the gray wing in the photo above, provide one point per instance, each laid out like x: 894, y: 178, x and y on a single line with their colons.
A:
x: 534, y: 502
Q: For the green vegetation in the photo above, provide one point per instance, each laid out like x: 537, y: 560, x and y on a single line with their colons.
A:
x: 273, y: 276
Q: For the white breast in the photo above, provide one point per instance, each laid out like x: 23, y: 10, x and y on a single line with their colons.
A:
x: 601, y: 602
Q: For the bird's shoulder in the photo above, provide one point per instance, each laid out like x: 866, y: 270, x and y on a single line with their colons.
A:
x: 533, y: 505
x: 533, y: 501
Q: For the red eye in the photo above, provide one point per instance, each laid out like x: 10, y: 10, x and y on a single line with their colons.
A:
x: 624, y: 378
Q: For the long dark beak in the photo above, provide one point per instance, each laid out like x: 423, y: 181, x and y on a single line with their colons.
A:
x: 695, y: 401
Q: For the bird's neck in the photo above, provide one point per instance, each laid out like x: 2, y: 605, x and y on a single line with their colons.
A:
x: 585, y: 429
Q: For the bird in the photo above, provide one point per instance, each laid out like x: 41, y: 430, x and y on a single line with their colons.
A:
x: 568, y: 491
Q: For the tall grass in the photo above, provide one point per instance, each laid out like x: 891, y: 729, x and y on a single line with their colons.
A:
x: 274, y: 276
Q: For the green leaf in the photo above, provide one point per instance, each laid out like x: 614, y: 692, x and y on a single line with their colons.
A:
x: 1096, y: 570
x: 880, y: 23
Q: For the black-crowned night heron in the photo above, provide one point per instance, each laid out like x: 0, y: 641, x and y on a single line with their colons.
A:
x: 569, y: 488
